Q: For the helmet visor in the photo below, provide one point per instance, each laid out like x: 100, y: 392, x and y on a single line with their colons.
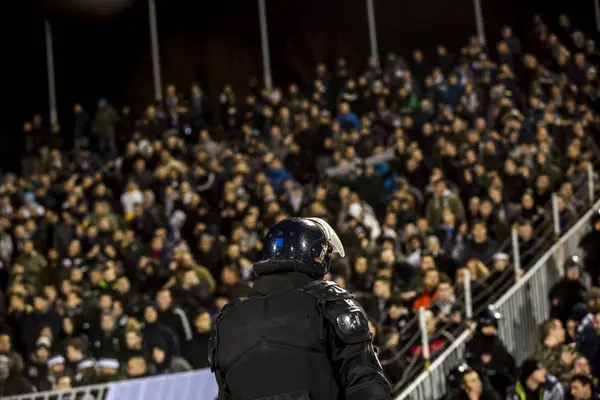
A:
x: 330, y: 235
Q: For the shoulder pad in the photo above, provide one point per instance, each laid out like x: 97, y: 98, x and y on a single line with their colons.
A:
x: 213, y: 341
x: 349, y: 320
x: 325, y: 291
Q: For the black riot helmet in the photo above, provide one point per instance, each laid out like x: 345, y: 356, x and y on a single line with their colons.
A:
x: 301, y: 244
x: 573, y: 262
x: 489, y: 317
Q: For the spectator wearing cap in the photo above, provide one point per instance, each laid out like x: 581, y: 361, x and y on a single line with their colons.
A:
x: 85, y: 373
x: 56, y: 369
x: 582, y: 388
x: 37, y: 364
x: 553, y: 351
x: 501, y: 271
x: 107, y: 370
x: 535, y: 383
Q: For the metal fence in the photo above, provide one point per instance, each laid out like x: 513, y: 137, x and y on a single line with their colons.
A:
x: 524, y: 308
x: 193, y: 385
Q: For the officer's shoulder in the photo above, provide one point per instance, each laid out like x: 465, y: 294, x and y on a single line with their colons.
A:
x: 228, y: 307
x: 347, y: 317
x: 325, y: 291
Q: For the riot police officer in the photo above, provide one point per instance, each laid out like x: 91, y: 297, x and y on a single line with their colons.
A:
x: 488, y: 355
x: 297, y: 336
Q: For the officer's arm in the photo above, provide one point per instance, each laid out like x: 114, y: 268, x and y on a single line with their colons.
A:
x: 213, y: 360
x: 352, y: 355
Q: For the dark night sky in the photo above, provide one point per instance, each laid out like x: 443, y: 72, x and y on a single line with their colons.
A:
x: 215, y: 42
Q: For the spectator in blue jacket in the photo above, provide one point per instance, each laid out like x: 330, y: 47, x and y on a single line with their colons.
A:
x: 277, y: 174
x: 585, y: 334
x: 347, y: 119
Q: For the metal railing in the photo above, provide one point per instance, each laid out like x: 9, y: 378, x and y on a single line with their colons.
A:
x: 524, y: 307
x: 193, y: 385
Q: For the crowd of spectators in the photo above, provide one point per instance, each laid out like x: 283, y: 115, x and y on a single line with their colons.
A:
x: 122, y: 238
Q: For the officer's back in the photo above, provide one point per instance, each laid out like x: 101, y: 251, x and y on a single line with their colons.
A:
x: 297, y: 337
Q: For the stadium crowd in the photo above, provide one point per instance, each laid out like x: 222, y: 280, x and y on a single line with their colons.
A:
x: 117, y: 253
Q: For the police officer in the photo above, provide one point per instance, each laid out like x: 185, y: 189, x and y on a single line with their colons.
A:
x: 297, y: 336
x: 591, y: 250
x: 488, y: 355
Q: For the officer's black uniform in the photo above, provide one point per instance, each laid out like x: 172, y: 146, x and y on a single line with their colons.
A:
x: 589, y: 244
x: 297, y: 337
x: 500, y: 371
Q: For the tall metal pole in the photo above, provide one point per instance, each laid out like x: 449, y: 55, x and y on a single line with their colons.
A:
x: 591, y: 183
x: 468, y: 299
x: 155, y: 48
x: 372, y: 31
x: 479, y: 21
x: 51, y: 79
x: 264, y: 42
x: 597, y: 13
x: 424, y: 337
x: 556, y: 216
x: 516, y: 253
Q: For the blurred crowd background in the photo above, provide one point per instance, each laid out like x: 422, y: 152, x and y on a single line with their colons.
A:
x: 125, y: 228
